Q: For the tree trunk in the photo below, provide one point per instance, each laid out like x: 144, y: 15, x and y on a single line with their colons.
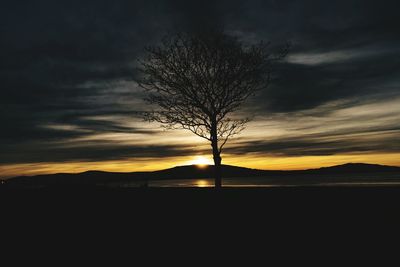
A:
x: 216, y: 156
x: 217, y: 170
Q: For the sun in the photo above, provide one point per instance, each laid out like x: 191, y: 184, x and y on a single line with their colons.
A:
x: 201, y: 161
x: 202, y: 183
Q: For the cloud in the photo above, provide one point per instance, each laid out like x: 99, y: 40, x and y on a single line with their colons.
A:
x: 66, y: 74
x: 336, y: 128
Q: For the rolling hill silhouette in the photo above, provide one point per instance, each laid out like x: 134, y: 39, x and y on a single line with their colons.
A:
x: 341, y: 172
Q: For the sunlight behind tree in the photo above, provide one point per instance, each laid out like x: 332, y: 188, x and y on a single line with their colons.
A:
x: 196, y: 81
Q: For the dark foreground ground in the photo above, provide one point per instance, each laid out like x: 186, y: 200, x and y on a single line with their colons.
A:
x: 297, y: 204
x: 314, y: 222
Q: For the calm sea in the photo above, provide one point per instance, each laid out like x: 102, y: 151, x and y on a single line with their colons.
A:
x: 357, y: 180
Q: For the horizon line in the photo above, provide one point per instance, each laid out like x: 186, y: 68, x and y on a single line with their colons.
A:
x: 202, y: 167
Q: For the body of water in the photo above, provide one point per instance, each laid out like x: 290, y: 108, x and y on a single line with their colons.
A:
x: 386, y: 180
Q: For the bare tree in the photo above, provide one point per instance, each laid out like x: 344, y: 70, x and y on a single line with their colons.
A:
x: 198, y: 80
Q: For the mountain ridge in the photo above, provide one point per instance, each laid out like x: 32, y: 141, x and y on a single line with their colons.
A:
x: 193, y: 172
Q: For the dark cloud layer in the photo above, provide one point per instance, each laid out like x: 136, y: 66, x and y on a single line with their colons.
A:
x: 64, y: 61
x: 322, y: 144
x: 35, y: 153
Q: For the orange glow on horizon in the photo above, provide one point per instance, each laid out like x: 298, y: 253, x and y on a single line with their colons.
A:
x: 151, y: 164
x: 199, y: 161
x: 203, y: 183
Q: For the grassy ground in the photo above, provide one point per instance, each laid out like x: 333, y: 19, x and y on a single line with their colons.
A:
x: 322, y: 200
x: 282, y: 217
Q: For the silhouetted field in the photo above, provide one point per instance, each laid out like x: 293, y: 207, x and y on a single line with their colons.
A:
x: 346, y: 191
x: 288, y: 206
x: 292, y: 211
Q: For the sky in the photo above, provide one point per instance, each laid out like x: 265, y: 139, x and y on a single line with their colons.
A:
x: 69, y: 100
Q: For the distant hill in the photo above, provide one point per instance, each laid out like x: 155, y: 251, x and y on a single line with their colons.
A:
x: 356, y: 168
x: 192, y: 172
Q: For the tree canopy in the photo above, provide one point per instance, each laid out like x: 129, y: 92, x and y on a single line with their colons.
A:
x: 197, y: 80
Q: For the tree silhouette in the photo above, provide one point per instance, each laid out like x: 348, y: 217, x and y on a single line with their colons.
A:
x: 198, y: 79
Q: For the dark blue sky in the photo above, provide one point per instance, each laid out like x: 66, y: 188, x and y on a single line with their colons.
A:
x: 67, y: 69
